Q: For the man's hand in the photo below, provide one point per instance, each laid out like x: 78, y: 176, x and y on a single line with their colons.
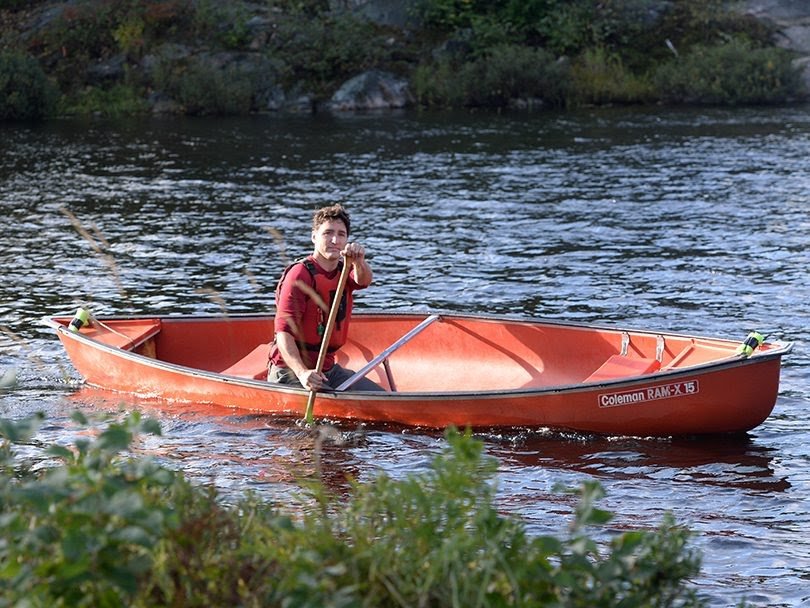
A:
x: 355, y: 251
x: 312, y: 380
x: 355, y: 254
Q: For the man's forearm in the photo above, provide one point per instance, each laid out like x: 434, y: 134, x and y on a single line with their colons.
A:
x: 290, y: 353
x: 362, y: 273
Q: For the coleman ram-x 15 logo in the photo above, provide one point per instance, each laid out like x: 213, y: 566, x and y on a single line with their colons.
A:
x: 653, y: 393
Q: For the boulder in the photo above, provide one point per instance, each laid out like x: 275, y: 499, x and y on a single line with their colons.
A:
x: 372, y: 90
x: 791, y: 21
x: 803, y: 65
x: 110, y: 70
x: 790, y: 18
x: 394, y: 13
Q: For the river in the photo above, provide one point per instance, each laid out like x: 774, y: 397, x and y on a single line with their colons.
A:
x: 692, y: 221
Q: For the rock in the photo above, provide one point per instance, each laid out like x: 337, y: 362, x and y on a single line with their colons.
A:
x: 111, y: 70
x: 791, y: 19
x: 372, y: 90
x: 300, y: 103
x: 394, y: 13
x: 272, y: 99
x: 8, y: 377
x: 778, y: 10
x: 160, y: 103
x: 168, y: 52
x: 803, y: 65
x: 453, y: 49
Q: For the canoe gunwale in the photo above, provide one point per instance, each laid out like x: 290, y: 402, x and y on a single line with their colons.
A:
x: 51, y: 320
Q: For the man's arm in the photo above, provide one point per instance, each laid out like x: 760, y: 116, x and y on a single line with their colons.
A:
x: 356, y: 255
x: 292, y: 358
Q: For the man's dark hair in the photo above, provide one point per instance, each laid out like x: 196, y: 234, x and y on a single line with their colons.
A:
x: 331, y: 213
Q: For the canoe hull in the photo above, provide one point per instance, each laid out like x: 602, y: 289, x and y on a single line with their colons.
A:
x: 729, y: 396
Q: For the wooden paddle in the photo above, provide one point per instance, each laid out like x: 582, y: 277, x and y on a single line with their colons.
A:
x: 327, y: 334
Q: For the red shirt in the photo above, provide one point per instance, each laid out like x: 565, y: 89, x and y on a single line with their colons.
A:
x: 298, y: 313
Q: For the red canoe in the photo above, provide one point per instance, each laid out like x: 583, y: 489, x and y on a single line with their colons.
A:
x: 447, y: 369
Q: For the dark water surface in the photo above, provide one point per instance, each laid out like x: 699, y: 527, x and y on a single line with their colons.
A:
x: 689, y: 221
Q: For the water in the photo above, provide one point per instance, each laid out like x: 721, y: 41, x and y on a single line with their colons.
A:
x: 687, y: 221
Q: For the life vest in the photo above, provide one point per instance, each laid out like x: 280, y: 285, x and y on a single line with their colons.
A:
x: 313, y: 321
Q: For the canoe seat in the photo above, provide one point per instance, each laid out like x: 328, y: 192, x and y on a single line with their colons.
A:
x: 126, y: 334
x: 253, y: 365
x: 618, y: 366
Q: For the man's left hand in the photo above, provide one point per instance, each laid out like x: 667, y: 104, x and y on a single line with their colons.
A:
x: 355, y: 251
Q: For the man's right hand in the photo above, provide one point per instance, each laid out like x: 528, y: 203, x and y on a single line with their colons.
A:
x: 312, y: 380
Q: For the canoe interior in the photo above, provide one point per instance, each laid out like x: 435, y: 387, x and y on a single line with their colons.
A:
x: 452, y: 354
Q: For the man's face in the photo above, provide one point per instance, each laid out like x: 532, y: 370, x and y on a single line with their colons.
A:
x: 330, y: 238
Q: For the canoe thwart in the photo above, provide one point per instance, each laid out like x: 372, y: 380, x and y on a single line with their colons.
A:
x: 383, y: 356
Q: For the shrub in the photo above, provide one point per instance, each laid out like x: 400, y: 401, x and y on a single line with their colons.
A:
x: 101, y: 529
x: 129, y: 35
x: 599, y: 77
x: 446, y: 15
x: 205, y: 89
x: 25, y: 91
x: 319, y: 53
x: 224, y: 22
x: 84, y: 30
x: 80, y: 534
x: 116, y: 101
x: 13, y: 4
x: 730, y: 74
x: 503, y: 75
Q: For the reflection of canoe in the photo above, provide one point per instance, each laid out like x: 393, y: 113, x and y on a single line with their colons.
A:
x: 440, y: 370
x: 733, y: 461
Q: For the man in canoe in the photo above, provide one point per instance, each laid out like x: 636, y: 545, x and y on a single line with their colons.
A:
x: 303, y: 304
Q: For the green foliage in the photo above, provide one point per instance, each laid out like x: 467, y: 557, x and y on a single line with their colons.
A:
x: 600, y: 77
x: 129, y: 34
x: 92, y: 30
x: 207, y: 90
x: 84, y: 30
x: 613, y: 46
x: 13, y: 4
x: 25, y: 91
x: 561, y: 26
x: 709, y: 23
x: 504, y: 74
x: 98, y: 28
x: 80, y: 534
x: 731, y: 74
x: 323, y: 52
x: 480, y: 53
x: 225, y: 23
x: 450, y: 15
x: 116, y: 101
x: 104, y: 530
x: 311, y: 8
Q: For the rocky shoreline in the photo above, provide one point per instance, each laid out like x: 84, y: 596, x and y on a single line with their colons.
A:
x: 244, y: 59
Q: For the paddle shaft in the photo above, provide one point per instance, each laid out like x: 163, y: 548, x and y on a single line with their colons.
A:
x: 327, y: 334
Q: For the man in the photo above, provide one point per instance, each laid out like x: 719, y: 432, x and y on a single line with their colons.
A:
x: 304, y: 299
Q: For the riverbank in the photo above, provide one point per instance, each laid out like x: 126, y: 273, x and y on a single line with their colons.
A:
x: 200, y: 57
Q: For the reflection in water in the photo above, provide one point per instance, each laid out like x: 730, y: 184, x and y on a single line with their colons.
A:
x: 223, y: 445
x: 726, y: 461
